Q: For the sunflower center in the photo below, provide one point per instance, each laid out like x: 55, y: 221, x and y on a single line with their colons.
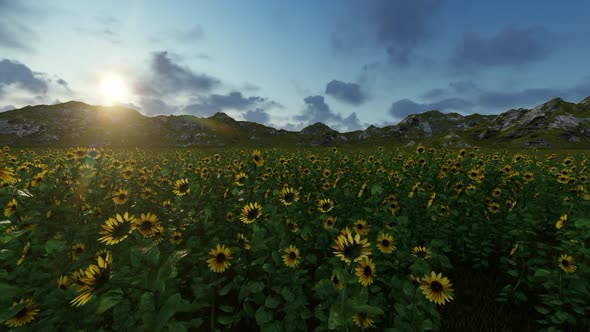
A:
x: 252, y: 214
x: 292, y: 255
x: 385, y: 243
x: 289, y: 197
x: 183, y: 187
x: 326, y: 206
x: 146, y: 225
x: 367, y: 271
x: 565, y: 263
x: 120, y: 230
x: 436, y: 286
x: 122, y: 196
x: 220, y: 258
x: 360, y: 227
x: 102, y: 277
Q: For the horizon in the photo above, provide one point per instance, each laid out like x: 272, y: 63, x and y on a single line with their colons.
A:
x: 348, y: 65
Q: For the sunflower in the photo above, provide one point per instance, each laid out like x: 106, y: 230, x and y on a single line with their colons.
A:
x: 566, y: 263
x: 360, y: 227
x: 24, y: 253
x: 325, y: 205
x: 337, y: 283
x: 243, y: 241
x: 329, y: 222
x: 63, y: 282
x: 365, y: 271
x: 181, y: 187
x: 127, y: 173
x: 514, y: 249
x: 436, y: 288
x: 116, y: 229
x: 95, y: 276
x: 288, y: 196
x: 385, y: 243
x: 10, y: 208
x: 120, y: 196
x: 25, y: 315
x: 257, y: 158
x: 176, y: 237
x: 292, y: 256
x: 362, y: 320
x: 493, y: 207
x: 240, y: 178
x: 219, y: 258
x: 561, y: 222
x: 146, y: 224
x: 229, y: 216
x: 250, y: 212
x: 168, y: 205
x: 7, y: 175
x: 77, y: 249
x: 351, y: 249
x: 421, y: 252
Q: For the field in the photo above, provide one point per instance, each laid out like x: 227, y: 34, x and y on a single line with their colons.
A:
x: 294, y: 240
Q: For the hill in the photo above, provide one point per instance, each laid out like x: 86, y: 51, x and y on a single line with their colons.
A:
x: 554, y: 124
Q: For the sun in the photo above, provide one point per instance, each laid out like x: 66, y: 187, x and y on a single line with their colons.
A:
x: 113, y: 88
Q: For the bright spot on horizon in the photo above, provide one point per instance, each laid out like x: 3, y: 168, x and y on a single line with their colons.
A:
x: 113, y: 89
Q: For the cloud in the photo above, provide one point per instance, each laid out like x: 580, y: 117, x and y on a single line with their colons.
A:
x: 515, y: 99
x: 7, y: 108
x: 404, y: 107
x: 348, y: 92
x: 170, y: 78
x: 195, y: 33
x: 316, y: 110
x: 398, y: 27
x: 12, y: 72
x: 62, y: 82
x: 433, y: 93
x: 155, y: 106
x: 233, y: 100
x: 12, y: 32
x: 258, y: 115
x: 401, y: 26
x: 509, y: 47
x: 201, y: 110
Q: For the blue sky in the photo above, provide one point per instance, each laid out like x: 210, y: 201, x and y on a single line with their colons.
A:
x: 288, y: 64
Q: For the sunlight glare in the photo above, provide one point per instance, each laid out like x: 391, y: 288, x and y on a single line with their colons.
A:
x: 113, y: 89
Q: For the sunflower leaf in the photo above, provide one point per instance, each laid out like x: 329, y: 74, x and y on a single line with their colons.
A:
x: 263, y: 316
x: 109, y: 300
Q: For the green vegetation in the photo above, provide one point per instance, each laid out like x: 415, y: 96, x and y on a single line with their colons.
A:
x: 294, y: 240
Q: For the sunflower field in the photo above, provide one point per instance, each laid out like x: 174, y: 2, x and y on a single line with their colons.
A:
x: 95, y: 239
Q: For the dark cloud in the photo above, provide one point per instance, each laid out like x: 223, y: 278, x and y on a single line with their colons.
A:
x: 316, y: 110
x: 464, y: 86
x: 398, y: 27
x: 515, y: 99
x: 170, y: 78
x: 434, y: 93
x: 13, y: 33
x: 511, y: 46
x: 347, y: 92
x: 404, y: 107
x: 62, y: 82
x: 233, y: 100
x: 201, y: 110
x: 12, y: 72
x: 155, y: 106
x: 258, y: 115
x: 7, y: 108
x: 401, y: 26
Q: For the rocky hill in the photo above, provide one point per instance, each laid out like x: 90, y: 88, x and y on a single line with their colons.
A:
x: 554, y: 124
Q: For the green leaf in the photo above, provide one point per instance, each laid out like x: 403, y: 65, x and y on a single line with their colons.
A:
x: 263, y: 316
x: 371, y: 310
x: 335, y: 319
x: 582, y: 223
x: 226, y: 308
x: 153, y: 256
x: 53, y: 246
x: 272, y: 302
x: 109, y: 300
x: 287, y: 294
x: 376, y: 189
x: 542, y: 273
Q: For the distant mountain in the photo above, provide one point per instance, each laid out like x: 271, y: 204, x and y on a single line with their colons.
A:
x: 554, y: 124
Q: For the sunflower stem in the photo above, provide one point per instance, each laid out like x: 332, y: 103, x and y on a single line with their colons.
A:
x: 212, y: 317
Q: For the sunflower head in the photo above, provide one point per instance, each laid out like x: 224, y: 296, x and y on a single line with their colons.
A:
x: 325, y: 205
x: 566, y: 263
x: 421, y: 252
x: 250, y: 212
x: 360, y: 227
x: 146, y: 224
x: 436, y: 288
x: 115, y: 230
x: 329, y: 222
x: 219, y: 258
x: 561, y: 221
x: 385, y: 243
x: 362, y: 320
x: 365, y: 271
x: 288, y: 196
x: 351, y: 248
x: 181, y: 187
x: 25, y: 315
x: 291, y: 256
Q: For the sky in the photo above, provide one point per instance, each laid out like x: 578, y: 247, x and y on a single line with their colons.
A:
x: 289, y: 64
